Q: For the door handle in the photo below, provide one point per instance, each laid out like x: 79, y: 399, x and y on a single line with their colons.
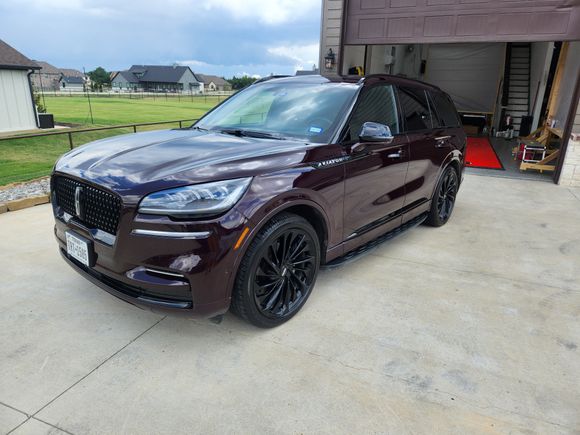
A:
x: 397, y: 155
x: 441, y: 141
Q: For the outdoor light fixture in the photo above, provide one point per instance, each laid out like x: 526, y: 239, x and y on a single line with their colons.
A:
x: 329, y: 59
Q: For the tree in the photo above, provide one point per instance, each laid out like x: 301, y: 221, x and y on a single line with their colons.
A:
x: 241, y: 82
x: 37, y: 101
x: 99, y: 77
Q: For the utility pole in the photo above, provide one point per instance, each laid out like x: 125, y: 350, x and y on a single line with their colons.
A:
x: 89, y: 100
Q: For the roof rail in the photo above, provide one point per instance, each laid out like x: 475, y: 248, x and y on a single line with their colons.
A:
x: 265, y: 79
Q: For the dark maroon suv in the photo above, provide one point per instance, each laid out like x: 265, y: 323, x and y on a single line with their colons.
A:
x: 243, y: 208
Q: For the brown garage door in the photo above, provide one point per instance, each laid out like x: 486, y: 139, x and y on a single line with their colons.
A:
x: 422, y: 21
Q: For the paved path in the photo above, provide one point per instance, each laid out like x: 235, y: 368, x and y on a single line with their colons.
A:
x: 471, y: 328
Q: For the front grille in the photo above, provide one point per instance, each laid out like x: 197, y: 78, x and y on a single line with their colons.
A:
x: 98, y: 209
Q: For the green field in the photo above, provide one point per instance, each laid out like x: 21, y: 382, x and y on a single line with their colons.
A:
x: 26, y: 159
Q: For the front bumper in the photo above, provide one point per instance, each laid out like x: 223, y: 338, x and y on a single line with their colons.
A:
x: 189, y: 277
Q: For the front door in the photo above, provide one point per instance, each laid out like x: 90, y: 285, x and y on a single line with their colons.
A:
x: 375, y: 172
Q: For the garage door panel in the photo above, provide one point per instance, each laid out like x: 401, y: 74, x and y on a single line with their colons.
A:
x: 437, y: 21
x: 469, y: 73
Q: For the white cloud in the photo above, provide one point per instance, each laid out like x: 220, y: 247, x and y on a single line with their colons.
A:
x: 303, y: 56
x: 271, y: 12
x: 266, y: 11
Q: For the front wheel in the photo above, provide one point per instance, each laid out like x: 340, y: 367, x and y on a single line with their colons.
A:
x: 443, y: 201
x: 278, y: 272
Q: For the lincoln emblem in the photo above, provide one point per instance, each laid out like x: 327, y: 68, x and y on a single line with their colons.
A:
x: 78, y: 192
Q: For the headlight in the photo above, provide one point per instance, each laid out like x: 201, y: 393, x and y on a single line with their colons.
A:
x: 196, y: 201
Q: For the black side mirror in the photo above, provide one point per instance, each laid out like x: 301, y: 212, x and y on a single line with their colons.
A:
x: 375, y: 132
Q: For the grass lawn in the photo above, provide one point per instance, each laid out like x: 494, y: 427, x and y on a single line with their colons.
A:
x: 26, y: 159
x: 115, y: 110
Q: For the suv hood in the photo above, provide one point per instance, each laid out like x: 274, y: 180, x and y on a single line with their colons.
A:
x: 144, y: 162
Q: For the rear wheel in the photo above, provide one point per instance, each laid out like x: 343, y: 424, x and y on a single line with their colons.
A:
x: 444, y: 199
x: 278, y: 272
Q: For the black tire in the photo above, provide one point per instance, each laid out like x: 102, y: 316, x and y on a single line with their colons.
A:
x: 444, y: 198
x: 278, y: 272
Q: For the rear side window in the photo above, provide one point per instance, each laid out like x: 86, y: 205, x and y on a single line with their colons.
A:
x: 445, y: 109
x: 376, y: 104
x: 415, y: 108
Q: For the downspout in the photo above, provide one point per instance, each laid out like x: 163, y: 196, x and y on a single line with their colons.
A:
x: 30, y: 72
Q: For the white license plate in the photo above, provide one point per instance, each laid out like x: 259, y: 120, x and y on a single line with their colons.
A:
x: 77, y: 248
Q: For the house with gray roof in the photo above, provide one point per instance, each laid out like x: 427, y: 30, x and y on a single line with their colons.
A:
x: 49, y: 77
x: 157, y: 78
x: 214, y: 83
x: 72, y: 84
x: 17, y: 108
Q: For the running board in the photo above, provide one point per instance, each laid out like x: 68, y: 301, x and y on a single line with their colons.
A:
x: 355, y: 254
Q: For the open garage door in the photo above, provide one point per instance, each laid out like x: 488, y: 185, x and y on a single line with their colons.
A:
x: 469, y: 73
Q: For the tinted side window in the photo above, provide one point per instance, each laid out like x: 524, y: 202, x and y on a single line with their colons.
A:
x: 445, y: 109
x: 415, y: 109
x: 376, y: 104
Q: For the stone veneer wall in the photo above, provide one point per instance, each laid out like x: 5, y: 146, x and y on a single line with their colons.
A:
x: 571, y: 170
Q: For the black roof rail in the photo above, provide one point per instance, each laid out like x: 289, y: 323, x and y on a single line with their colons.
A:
x: 265, y: 79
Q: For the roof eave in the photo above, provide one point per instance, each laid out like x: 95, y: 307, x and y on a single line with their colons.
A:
x: 20, y: 67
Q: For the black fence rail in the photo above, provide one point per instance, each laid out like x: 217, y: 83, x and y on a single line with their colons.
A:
x: 71, y: 132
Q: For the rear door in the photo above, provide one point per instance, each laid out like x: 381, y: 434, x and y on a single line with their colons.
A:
x: 449, y: 118
x: 428, y: 147
x: 375, y: 171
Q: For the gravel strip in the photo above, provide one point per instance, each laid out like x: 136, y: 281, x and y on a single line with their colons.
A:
x: 25, y: 190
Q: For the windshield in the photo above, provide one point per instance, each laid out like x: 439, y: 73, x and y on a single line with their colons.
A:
x: 305, y: 111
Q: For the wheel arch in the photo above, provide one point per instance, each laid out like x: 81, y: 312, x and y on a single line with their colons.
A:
x: 304, y: 208
x: 453, y: 161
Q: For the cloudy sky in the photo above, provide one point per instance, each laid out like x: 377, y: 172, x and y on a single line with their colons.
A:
x: 222, y: 37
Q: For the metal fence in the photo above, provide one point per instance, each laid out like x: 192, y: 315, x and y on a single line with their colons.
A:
x: 71, y: 132
x: 135, y: 95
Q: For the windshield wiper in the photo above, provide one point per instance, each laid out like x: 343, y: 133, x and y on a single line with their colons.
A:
x: 250, y: 133
x: 195, y: 127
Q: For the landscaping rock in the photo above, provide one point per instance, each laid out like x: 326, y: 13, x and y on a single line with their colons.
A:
x: 28, y: 189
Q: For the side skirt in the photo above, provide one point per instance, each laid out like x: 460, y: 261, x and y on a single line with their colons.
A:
x: 368, y: 247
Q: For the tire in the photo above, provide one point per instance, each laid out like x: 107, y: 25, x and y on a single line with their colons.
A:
x: 278, y: 272
x: 444, y: 198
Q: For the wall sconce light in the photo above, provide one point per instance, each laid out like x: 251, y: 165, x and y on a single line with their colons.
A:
x: 329, y: 59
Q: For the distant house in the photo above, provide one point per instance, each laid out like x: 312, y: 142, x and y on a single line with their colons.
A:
x: 214, y: 83
x: 17, y: 108
x: 49, y: 77
x: 74, y: 84
x: 308, y: 72
x: 157, y: 78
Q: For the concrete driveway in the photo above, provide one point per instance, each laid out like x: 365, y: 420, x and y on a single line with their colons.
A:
x: 471, y: 328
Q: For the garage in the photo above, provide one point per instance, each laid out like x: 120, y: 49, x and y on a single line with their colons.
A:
x: 510, y: 67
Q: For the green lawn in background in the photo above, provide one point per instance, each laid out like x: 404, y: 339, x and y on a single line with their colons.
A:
x: 115, y: 110
x: 26, y: 159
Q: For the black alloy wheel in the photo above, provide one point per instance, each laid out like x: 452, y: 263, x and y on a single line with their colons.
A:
x: 278, y: 271
x: 444, y: 198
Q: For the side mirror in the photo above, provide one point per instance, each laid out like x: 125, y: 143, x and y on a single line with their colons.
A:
x: 375, y: 132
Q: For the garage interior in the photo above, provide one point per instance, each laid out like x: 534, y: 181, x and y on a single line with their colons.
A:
x: 513, y: 98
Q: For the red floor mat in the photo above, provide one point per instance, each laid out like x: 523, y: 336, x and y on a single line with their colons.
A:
x: 480, y: 154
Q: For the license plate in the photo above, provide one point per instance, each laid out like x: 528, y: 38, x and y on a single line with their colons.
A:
x: 78, y: 248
